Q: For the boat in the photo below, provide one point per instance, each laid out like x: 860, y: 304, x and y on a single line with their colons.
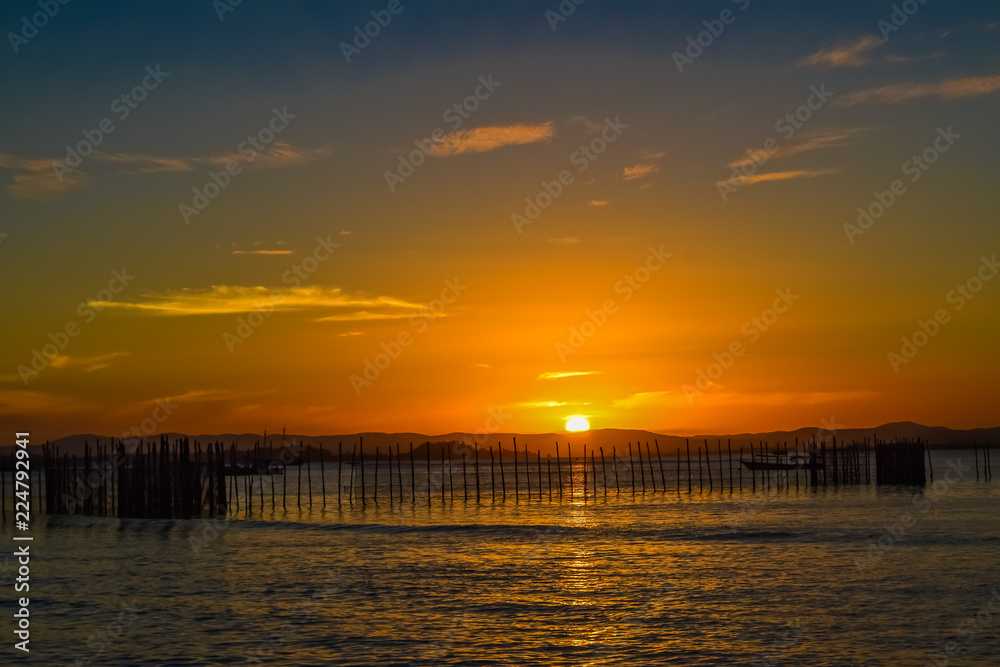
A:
x: 782, y: 461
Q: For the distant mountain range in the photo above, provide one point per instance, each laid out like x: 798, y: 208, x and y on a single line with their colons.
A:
x: 545, y: 443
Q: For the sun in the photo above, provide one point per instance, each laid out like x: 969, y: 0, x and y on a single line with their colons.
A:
x: 577, y: 423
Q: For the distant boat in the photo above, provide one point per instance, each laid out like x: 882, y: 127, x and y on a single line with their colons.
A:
x: 782, y: 461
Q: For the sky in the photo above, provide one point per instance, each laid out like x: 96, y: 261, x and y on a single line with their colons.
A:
x: 687, y: 217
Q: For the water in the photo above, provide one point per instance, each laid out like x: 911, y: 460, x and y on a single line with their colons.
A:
x: 768, y: 578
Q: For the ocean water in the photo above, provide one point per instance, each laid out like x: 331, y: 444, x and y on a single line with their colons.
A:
x: 779, y: 576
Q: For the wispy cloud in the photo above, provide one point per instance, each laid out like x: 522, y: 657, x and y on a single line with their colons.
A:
x: 648, y: 399
x: 279, y: 154
x: 262, y: 252
x: 483, y: 139
x: 597, y: 202
x: 555, y: 375
x: 778, y: 176
x: 904, y: 92
x: 232, y: 299
x: 818, y: 140
x: 852, y: 53
x: 34, y: 178
x: 540, y: 404
x: 37, y: 177
x: 565, y: 240
x: 639, y: 170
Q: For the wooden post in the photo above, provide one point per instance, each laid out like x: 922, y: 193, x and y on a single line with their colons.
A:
x: 375, y: 481
x: 659, y: 459
x: 614, y: 457
x: 642, y: 473
x: 493, y: 487
x: 527, y: 471
x: 687, y: 446
x: 399, y: 472
x: 477, y: 471
x: 569, y: 457
x: 340, y: 473
x: 299, y: 499
x: 413, y: 477
x: 708, y: 466
x: 604, y: 475
x: 538, y: 466
x: 559, y: 470
x: 465, y: 484
x: 361, y: 453
x: 548, y: 467
x: 503, y: 478
x: 585, y: 472
x: 517, y: 484
x: 631, y: 464
x: 451, y: 476
x: 649, y: 460
x: 729, y: 444
x: 753, y: 473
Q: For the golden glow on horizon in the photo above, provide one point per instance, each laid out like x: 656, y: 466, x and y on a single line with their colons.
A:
x: 577, y: 423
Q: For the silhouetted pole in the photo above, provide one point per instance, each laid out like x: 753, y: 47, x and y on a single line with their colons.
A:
x: 399, y: 471
x: 631, y: 463
x: 569, y: 457
x: 361, y: 453
x: 493, y: 486
x: 729, y: 444
x: 538, y: 467
x: 548, y: 468
x: 413, y: 477
x: 642, y: 473
x: 442, y: 472
x: 477, y: 472
x: 517, y: 483
x: 687, y: 446
x: 604, y: 475
x: 659, y: 459
x: 585, y: 472
x: 465, y: 477
x: 527, y: 472
x: 559, y: 469
x: 652, y: 475
x: 503, y: 479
